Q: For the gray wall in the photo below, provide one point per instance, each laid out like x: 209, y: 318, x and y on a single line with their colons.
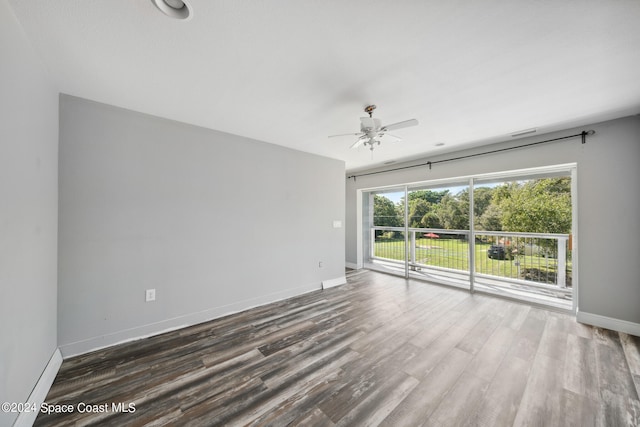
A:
x: 28, y: 214
x: 608, y: 206
x: 216, y: 223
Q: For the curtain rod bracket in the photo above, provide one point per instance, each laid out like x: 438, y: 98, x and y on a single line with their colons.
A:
x: 586, y: 133
x: 429, y: 164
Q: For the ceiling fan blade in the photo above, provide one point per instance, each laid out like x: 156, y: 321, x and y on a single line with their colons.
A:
x: 359, y: 142
x: 400, y: 125
x: 393, y: 137
x: 346, y: 134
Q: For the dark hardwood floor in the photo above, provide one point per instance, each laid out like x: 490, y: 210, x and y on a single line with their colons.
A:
x: 380, y: 350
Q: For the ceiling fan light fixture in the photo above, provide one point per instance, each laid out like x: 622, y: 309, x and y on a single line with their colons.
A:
x: 178, y: 9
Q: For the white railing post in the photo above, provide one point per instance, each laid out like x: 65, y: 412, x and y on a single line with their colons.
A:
x: 406, y: 232
x: 561, y: 276
x: 471, y: 239
x: 413, y: 249
x: 373, y: 244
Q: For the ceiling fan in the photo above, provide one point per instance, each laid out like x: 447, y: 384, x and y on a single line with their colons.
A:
x: 371, y: 130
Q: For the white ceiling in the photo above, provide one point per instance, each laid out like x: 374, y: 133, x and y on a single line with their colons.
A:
x: 292, y: 72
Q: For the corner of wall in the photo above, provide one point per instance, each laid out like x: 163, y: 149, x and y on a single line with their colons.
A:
x: 608, y: 323
x: 40, y: 391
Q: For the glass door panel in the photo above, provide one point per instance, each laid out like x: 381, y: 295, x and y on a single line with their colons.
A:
x: 438, y: 228
x: 385, y: 236
x: 522, y: 230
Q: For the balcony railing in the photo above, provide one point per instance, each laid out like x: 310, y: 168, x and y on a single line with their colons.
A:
x: 534, y: 260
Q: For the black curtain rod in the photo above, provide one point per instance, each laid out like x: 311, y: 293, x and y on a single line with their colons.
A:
x: 582, y: 134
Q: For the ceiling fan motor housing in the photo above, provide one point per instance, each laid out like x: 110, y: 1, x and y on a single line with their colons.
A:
x: 368, y: 124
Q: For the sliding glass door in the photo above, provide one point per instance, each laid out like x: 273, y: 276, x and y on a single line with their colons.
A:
x: 509, y: 234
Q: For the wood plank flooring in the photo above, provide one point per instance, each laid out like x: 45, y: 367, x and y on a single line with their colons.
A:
x: 380, y: 350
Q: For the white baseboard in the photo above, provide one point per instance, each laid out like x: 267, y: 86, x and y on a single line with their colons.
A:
x: 40, y: 391
x: 168, y: 325
x: 352, y: 265
x: 608, y: 323
x: 331, y: 283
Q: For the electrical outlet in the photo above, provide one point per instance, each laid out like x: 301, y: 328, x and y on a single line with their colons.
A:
x: 150, y: 295
x: 320, y: 264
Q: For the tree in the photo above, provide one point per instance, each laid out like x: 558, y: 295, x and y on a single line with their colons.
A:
x: 430, y: 196
x: 482, y: 197
x: 453, y: 212
x: 538, y: 206
x: 384, y: 212
x: 418, y: 208
x: 491, y: 219
x: 422, y: 208
x: 430, y: 220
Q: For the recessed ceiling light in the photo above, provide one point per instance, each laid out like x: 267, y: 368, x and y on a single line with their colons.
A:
x: 178, y: 9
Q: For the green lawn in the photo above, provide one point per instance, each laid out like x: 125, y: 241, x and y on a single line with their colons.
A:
x: 454, y: 254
